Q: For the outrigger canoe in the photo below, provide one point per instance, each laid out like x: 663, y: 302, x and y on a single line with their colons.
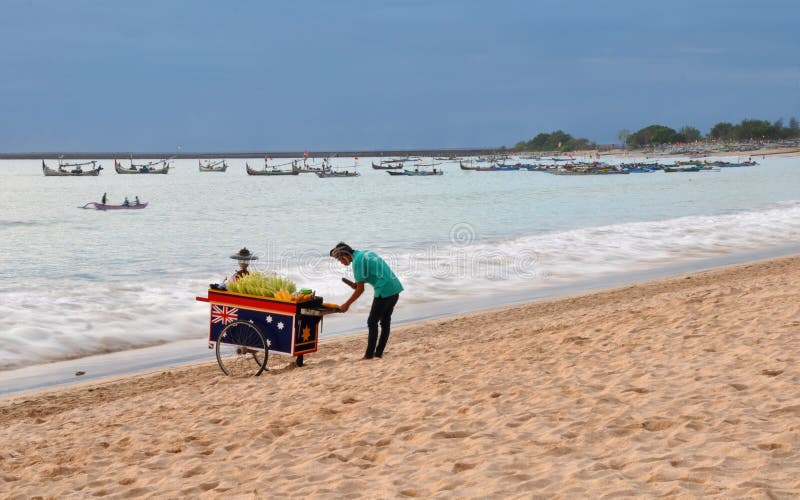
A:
x: 388, y: 166
x: 147, y: 168
x: 333, y: 173
x: 67, y: 170
x: 102, y: 206
x: 274, y: 171
x: 217, y: 166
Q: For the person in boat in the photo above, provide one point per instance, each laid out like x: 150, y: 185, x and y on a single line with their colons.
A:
x: 126, y: 203
x: 368, y: 267
x: 104, y: 199
x: 136, y: 200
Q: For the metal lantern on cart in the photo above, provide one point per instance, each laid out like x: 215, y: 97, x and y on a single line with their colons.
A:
x: 243, y: 257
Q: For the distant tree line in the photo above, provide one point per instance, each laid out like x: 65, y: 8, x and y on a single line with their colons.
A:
x: 555, y: 141
x: 746, y: 130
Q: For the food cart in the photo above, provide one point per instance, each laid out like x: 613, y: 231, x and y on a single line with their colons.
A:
x: 245, y: 329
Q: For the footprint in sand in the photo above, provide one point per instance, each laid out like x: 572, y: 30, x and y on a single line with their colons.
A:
x: 137, y: 492
x: 209, y: 486
x: 657, y: 424
x: 771, y: 446
x: 771, y: 373
x: 192, y: 472
x: 461, y: 466
x: 451, y: 434
x: 576, y: 340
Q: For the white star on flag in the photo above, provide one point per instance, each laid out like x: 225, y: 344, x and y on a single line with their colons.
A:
x: 280, y: 325
x: 269, y: 318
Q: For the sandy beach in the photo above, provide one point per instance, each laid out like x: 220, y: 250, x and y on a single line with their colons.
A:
x: 685, y: 386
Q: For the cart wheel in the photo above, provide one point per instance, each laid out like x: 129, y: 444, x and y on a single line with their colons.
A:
x: 241, y: 350
x: 299, y: 360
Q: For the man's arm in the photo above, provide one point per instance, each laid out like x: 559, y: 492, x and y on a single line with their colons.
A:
x: 356, y: 294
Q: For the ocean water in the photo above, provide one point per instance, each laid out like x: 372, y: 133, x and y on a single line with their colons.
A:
x: 78, y: 282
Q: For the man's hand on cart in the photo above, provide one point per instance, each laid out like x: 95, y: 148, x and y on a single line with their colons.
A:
x: 358, y: 289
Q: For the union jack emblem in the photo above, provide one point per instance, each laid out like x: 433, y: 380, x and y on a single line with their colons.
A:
x: 224, y: 314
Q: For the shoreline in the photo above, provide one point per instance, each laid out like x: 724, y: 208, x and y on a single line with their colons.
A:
x: 99, y: 368
x: 682, y: 386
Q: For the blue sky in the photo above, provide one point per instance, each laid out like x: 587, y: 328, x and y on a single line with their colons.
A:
x: 92, y: 75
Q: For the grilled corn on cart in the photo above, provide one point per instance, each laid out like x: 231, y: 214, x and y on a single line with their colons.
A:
x: 245, y: 329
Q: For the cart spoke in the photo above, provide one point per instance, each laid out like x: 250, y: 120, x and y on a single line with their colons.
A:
x: 241, y: 350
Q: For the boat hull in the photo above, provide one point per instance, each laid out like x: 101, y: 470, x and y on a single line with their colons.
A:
x: 387, y: 167
x: 673, y: 170
x: 121, y: 170
x: 251, y: 171
x: 422, y: 173
x: 101, y: 206
x: 51, y: 172
x: 327, y: 175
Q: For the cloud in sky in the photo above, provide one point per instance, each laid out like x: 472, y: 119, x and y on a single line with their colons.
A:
x: 147, y: 75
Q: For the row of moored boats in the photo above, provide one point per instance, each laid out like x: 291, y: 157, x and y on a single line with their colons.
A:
x: 398, y: 167
x: 601, y: 168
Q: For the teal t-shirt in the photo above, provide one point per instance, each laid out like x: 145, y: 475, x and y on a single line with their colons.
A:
x: 370, y: 268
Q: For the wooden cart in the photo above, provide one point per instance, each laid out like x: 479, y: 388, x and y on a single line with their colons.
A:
x: 245, y: 329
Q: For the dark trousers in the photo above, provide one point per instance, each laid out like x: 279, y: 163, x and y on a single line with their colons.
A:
x: 381, y: 312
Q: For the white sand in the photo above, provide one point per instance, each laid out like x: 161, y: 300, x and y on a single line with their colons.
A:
x: 683, y: 387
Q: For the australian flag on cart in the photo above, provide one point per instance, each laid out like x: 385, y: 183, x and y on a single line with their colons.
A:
x: 277, y: 328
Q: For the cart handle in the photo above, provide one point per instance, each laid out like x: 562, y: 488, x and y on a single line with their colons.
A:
x: 202, y: 299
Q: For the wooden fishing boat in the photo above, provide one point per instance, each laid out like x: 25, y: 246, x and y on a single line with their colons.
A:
x: 311, y: 169
x: 728, y: 164
x: 337, y: 173
x: 388, y: 166
x: 395, y: 160
x: 274, y: 171
x: 103, y: 206
x: 467, y: 167
x: 532, y: 167
x: 144, y: 168
x: 215, y: 166
x: 693, y: 168
x: 497, y: 168
x: 72, y: 169
x: 423, y: 173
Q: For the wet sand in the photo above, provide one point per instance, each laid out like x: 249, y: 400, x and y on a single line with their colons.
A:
x: 683, y: 386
